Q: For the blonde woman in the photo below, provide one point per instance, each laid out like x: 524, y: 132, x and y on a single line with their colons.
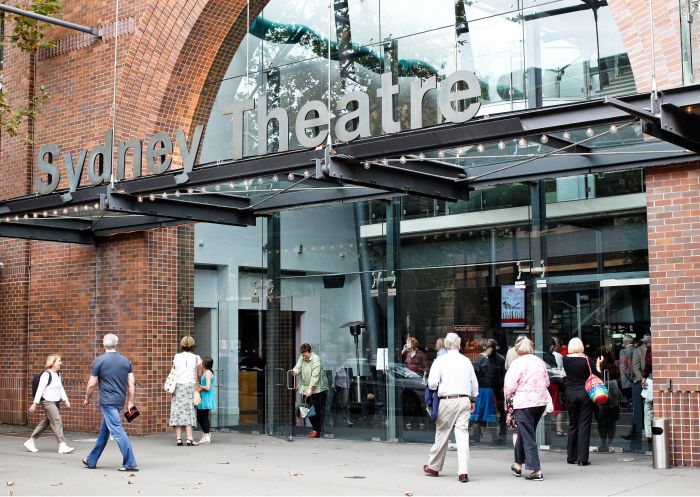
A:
x: 188, y: 368
x: 49, y: 395
x: 578, y: 368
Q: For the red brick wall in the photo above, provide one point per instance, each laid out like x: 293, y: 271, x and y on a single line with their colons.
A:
x: 632, y: 19
x: 673, y: 210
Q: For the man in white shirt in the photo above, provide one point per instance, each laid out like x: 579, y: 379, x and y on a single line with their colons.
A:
x: 452, y: 374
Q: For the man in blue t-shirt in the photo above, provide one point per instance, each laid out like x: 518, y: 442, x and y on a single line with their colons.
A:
x: 113, y: 372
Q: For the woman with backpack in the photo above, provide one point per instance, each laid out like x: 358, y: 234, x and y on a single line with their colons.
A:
x: 49, y: 393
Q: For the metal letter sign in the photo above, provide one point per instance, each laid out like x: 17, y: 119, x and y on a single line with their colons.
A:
x: 458, y: 101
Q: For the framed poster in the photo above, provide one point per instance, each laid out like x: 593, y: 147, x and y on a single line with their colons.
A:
x: 512, y: 307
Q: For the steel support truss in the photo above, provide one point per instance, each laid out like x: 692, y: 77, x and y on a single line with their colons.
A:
x: 358, y: 171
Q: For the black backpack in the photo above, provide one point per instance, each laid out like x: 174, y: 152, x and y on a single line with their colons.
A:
x: 37, y: 379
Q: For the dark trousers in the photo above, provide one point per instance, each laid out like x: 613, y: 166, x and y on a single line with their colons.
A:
x: 607, y: 421
x: 203, y: 419
x: 319, y: 402
x: 526, y: 445
x: 638, y: 407
x: 580, y: 408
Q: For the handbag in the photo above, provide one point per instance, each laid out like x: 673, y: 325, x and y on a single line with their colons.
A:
x: 197, y: 399
x: 550, y: 404
x: 511, y: 422
x: 595, y: 387
x: 306, y: 411
x: 132, y: 414
x: 169, y: 385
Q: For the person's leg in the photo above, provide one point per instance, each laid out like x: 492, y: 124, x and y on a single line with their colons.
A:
x: 648, y: 417
x: 573, y: 408
x: 203, y: 419
x: 43, y: 424
x: 518, y: 449
x: 603, y: 416
x: 638, y: 408
x: 318, y: 401
x: 462, y: 436
x: 114, y: 424
x: 188, y: 431
x: 100, y: 444
x: 584, y: 428
x: 178, y: 432
x: 54, y: 418
x: 526, y: 438
x: 321, y: 408
x: 447, y: 415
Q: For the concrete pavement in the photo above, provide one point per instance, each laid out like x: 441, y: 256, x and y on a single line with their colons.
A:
x: 242, y: 464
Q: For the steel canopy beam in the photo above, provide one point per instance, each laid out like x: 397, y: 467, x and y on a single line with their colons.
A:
x: 314, y: 198
x: 51, y: 20
x: 31, y: 231
x: 175, y: 209
x: 391, y: 179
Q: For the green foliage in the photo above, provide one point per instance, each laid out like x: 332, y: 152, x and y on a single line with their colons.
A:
x: 28, y: 34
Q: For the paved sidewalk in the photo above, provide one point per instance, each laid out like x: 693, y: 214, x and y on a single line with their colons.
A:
x: 240, y: 464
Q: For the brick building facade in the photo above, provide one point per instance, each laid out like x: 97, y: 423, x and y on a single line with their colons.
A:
x: 64, y: 298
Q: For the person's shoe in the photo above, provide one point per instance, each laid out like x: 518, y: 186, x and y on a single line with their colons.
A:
x: 130, y: 469
x: 314, y: 434
x: 516, y: 472
x: 85, y: 463
x: 64, y: 449
x: 585, y: 463
x: 568, y: 461
x: 206, y: 439
x: 463, y: 478
x: 178, y: 442
x: 30, y: 445
x: 535, y: 476
x: 191, y: 443
x: 429, y: 471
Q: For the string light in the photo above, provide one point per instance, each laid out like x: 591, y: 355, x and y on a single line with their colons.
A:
x: 44, y: 213
x: 203, y: 189
x: 421, y: 156
x: 522, y: 142
x: 590, y: 132
x: 613, y: 129
x: 65, y: 211
x: 402, y: 160
x: 365, y: 164
x: 232, y: 185
x: 441, y: 153
x: 460, y: 151
x: 306, y: 173
x: 260, y: 181
x: 501, y: 145
x: 480, y: 147
x: 165, y: 195
x: 95, y: 206
x: 544, y: 138
x: 139, y: 198
x: 290, y: 176
x: 275, y: 179
x: 54, y: 212
x: 151, y: 197
x: 217, y: 188
x: 177, y: 193
x: 35, y: 215
x: 566, y: 135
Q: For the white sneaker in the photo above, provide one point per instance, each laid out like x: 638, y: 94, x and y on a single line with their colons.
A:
x: 64, y: 449
x: 206, y: 439
x: 30, y: 445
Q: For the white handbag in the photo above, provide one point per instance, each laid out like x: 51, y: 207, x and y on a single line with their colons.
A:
x: 170, y: 382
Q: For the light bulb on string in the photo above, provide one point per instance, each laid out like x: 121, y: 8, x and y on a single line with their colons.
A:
x: 441, y: 153
x: 501, y: 145
x: 151, y: 197
x: 217, y: 188
x: 139, y: 198
x: 177, y: 193
x: 421, y: 156
x: 260, y: 181
x: 290, y: 176
x: 480, y: 147
x: 613, y: 129
x: 566, y: 135
x: 275, y: 179
x: 522, y: 142
x: 544, y: 138
x: 164, y: 195
x: 402, y: 160
x: 306, y: 173
x: 590, y: 132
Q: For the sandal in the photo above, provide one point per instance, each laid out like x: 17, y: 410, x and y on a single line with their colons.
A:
x: 191, y: 443
x: 536, y: 476
x: 516, y: 472
x: 179, y: 442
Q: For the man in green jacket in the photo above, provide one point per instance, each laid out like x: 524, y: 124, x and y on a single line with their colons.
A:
x: 312, y: 385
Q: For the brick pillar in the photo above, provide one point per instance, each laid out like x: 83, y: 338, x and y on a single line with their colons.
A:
x: 673, y: 207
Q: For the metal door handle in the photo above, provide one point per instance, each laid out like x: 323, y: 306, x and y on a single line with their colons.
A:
x: 294, y: 378
x: 279, y: 374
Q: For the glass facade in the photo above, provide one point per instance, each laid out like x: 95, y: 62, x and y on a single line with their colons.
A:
x: 553, y: 258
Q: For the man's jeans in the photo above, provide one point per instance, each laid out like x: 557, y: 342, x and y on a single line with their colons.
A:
x: 111, y: 423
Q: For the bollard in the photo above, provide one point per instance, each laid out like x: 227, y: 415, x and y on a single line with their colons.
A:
x: 661, y: 443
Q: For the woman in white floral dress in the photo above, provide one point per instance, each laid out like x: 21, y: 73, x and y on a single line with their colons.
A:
x: 188, y: 368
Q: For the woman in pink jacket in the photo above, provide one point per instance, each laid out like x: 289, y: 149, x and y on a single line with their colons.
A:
x: 526, y: 382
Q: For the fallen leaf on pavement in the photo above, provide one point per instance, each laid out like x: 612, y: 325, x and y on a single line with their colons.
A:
x: 292, y: 473
x: 223, y: 462
x: 57, y: 484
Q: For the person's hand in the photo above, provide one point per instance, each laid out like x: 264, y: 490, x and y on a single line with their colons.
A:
x: 295, y: 372
x: 86, y: 402
x: 66, y: 403
x: 370, y: 396
x: 130, y: 406
x: 599, y: 362
x: 309, y: 391
x: 32, y: 407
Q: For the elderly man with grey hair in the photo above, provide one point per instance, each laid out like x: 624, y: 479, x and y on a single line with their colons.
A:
x: 115, y: 377
x: 452, y: 375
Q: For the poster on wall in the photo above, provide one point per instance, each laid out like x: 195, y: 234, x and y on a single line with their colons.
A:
x: 512, y: 307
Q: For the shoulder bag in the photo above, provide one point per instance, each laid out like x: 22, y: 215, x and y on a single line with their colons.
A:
x: 595, y: 387
x: 169, y: 385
